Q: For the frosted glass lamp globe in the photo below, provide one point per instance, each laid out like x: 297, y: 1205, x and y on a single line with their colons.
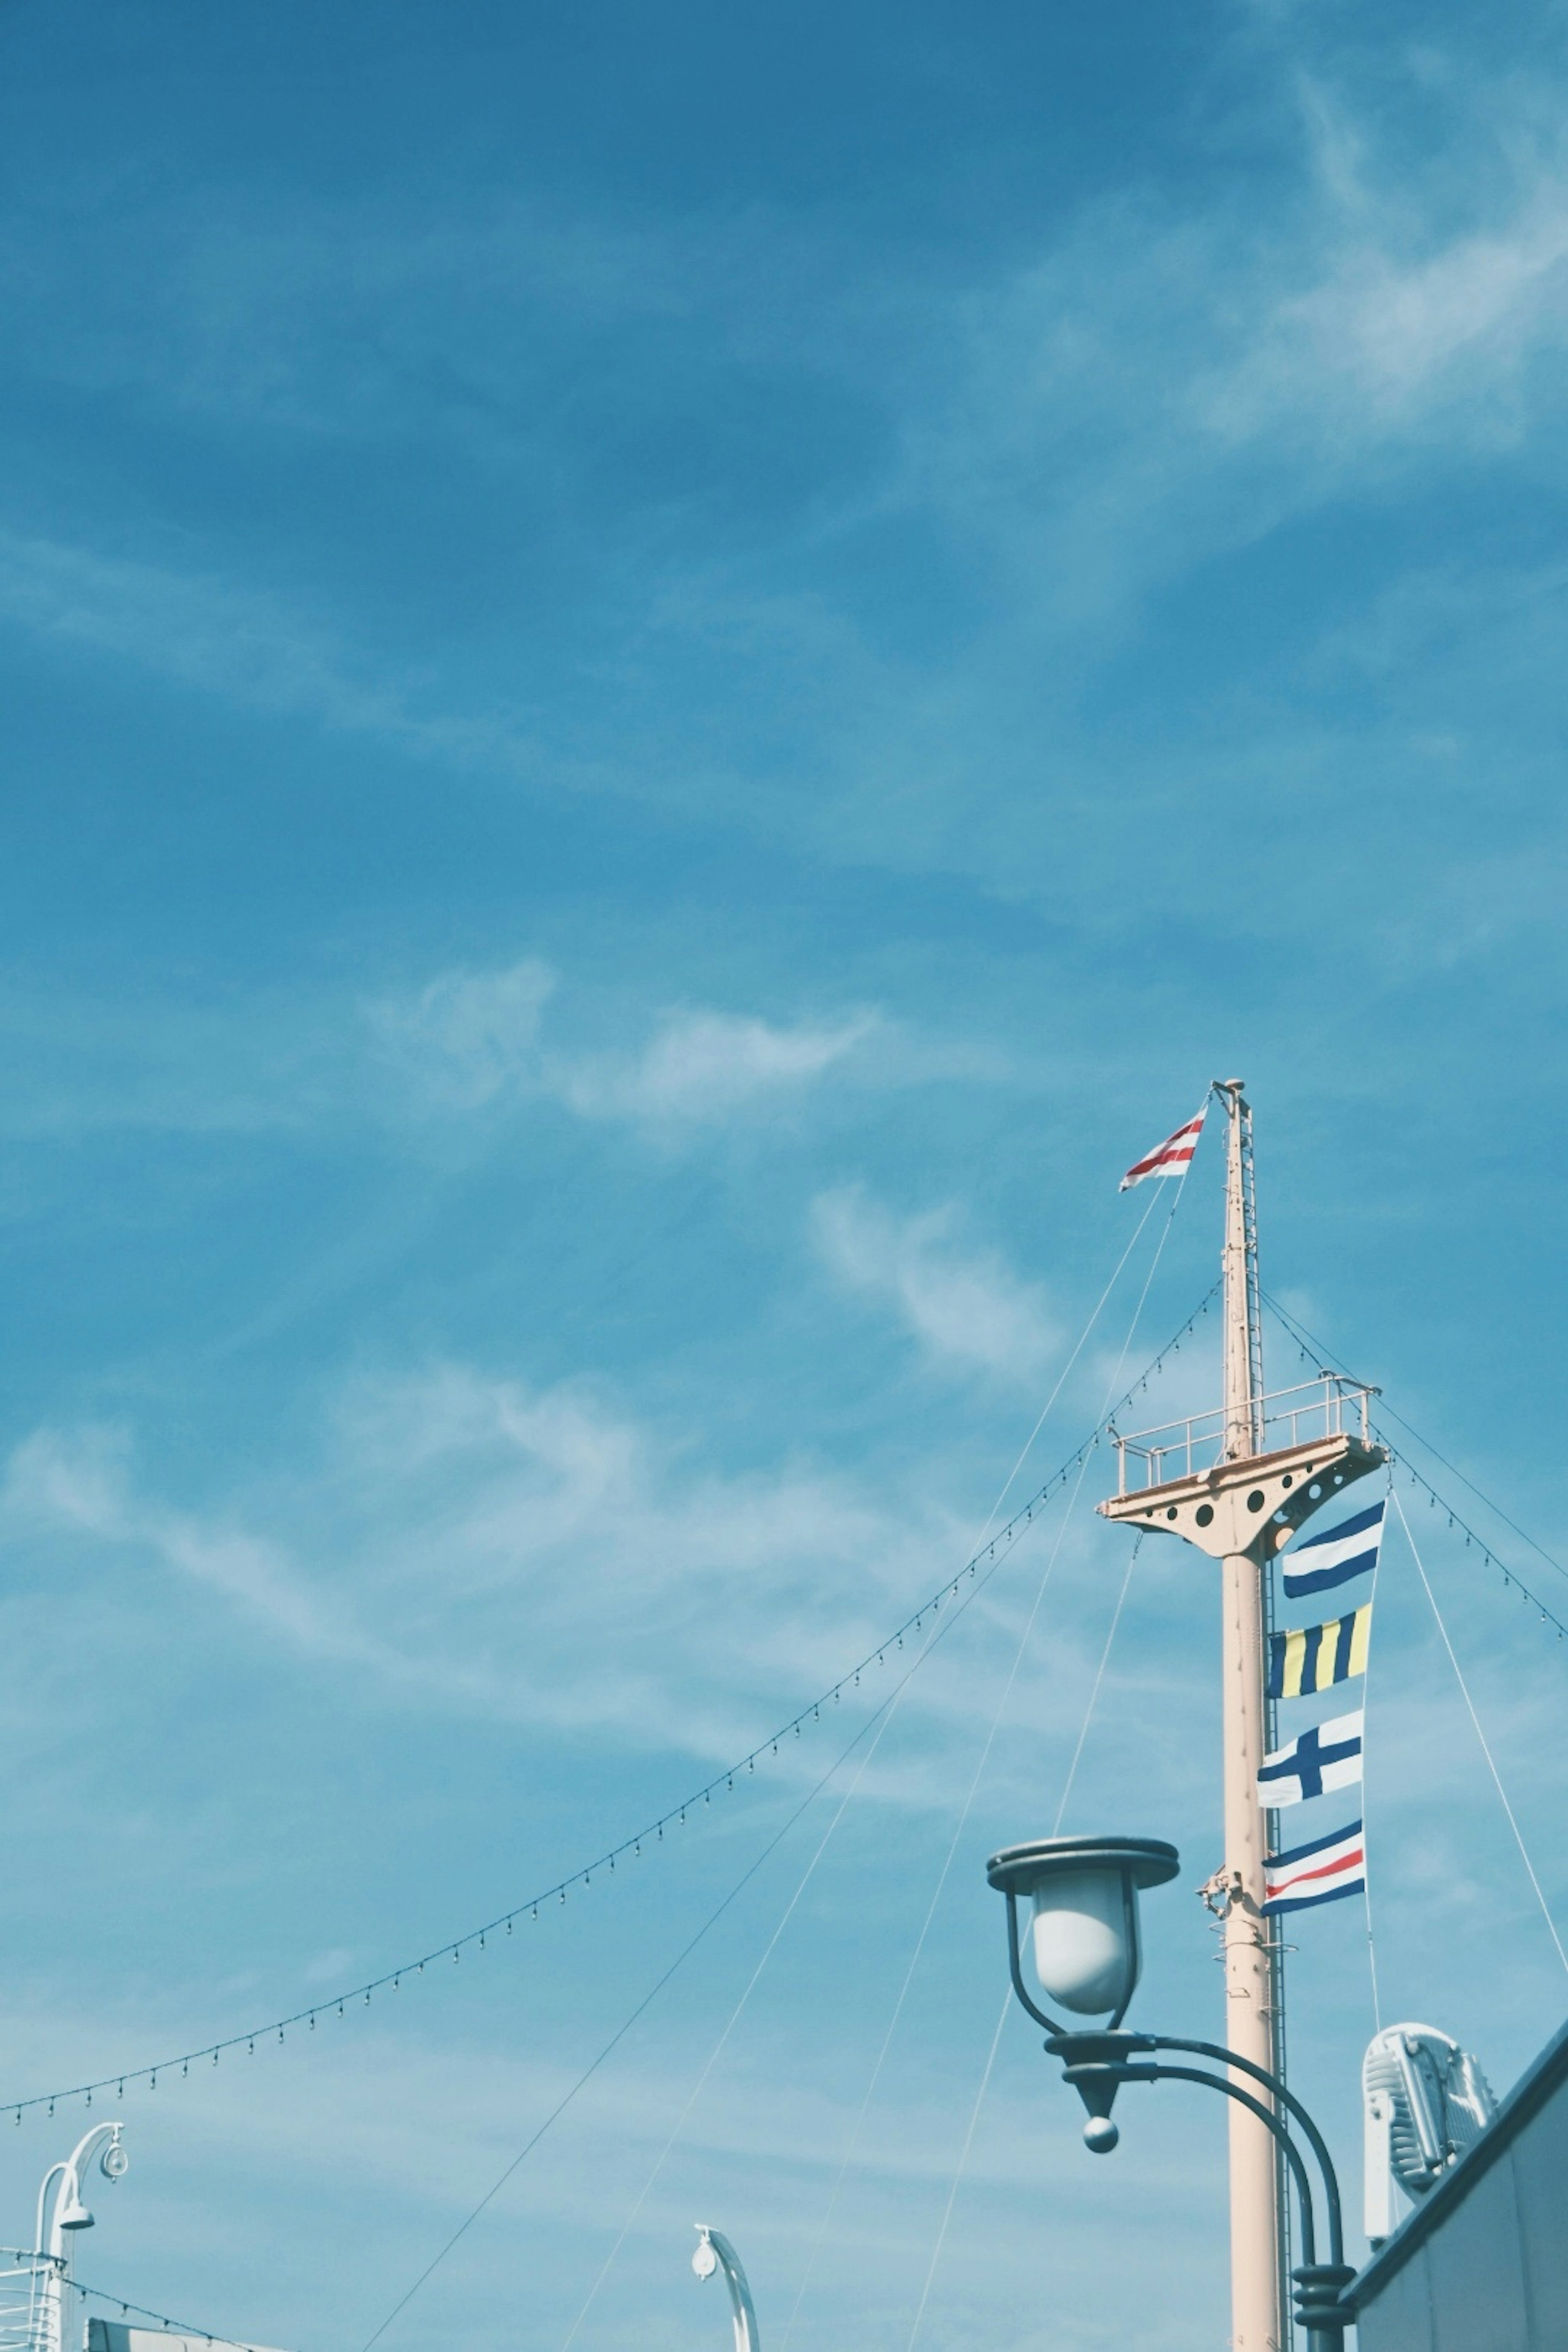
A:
x: 1083, y: 1931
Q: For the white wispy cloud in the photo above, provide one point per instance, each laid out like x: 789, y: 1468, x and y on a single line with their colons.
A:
x: 965, y: 1308
x: 196, y: 625
x: 465, y: 1544
x: 463, y: 1042
x: 469, y: 1038
x: 700, y: 1065
x: 1160, y: 383
x: 80, y: 1482
x: 464, y: 1540
x: 1381, y: 342
x: 1153, y: 385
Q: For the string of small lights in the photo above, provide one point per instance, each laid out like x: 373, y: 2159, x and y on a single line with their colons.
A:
x: 631, y: 1848
x: 100, y: 2294
x: 1436, y: 1502
x: 1314, y: 1353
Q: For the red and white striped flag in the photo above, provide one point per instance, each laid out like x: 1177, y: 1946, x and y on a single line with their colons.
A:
x: 1173, y: 1157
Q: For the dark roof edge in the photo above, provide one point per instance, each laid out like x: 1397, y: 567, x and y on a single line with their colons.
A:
x: 1528, y: 2094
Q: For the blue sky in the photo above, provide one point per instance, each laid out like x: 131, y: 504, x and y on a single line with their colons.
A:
x: 669, y: 679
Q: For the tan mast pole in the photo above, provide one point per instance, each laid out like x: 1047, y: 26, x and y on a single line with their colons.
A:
x: 1241, y: 1510
x: 1255, y: 2324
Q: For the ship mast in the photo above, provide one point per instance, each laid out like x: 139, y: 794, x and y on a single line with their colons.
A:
x: 1258, y: 2319
x: 1272, y: 1462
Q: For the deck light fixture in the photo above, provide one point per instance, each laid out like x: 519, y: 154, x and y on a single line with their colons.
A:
x: 62, y: 2210
x: 1084, y: 1930
x: 715, y: 2253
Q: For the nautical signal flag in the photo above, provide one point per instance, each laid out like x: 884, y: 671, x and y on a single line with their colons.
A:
x: 1315, y: 1657
x: 1320, y: 1872
x: 1327, y: 1756
x: 1172, y: 1158
x: 1317, y: 1562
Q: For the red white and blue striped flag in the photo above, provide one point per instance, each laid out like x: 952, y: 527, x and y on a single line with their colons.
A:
x: 1172, y: 1157
x: 1318, y: 1873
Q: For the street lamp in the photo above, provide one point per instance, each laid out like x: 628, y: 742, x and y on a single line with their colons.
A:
x: 1084, y: 1931
x: 714, y: 2252
x: 66, y: 2210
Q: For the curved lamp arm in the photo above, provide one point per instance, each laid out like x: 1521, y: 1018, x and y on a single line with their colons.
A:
x: 1265, y: 2115
x: 1287, y: 2098
x: 53, y: 2173
x: 1319, y: 2284
x: 714, y: 2251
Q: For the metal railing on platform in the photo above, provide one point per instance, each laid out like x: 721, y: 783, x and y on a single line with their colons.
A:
x: 1330, y: 1406
x: 21, y: 2306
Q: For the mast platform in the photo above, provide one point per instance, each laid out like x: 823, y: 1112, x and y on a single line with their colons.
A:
x: 1228, y: 1504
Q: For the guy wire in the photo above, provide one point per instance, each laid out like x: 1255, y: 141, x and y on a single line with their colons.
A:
x: 940, y: 2240
x: 631, y: 1847
x: 865, y: 1763
x: 1480, y: 1735
x: 938, y: 1633
x: 1318, y: 1354
x: 942, y: 1876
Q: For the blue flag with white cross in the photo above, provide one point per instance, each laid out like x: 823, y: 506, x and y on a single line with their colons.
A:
x: 1327, y: 1756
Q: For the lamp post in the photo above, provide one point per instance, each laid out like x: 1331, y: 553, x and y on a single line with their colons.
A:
x: 1083, y: 1894
x: 714, y: 2252
x: 65, y: 2212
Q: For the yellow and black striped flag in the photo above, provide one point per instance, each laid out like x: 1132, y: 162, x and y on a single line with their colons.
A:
x: 1314, y: 1657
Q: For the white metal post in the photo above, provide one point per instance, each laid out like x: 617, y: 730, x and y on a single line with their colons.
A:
x: 714, y: 2252
x: 64, y: 2216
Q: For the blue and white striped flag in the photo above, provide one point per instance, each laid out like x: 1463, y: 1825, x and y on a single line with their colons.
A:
x: 1333, y: 1558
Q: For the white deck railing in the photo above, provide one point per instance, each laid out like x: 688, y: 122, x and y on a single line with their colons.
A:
x: 20, y: 2306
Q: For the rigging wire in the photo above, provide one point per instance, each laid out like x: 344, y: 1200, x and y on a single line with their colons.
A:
x: 880, y: 1716
x: 734, y: 2017
x: 960, y: 2169
x: 476, y: 1939
x: 1298, y: 1332
x: 1008, y: 1996
x: 716, y: 2052
x: 942, y: 1876
x: 997, y: 1720
x: 648, y: 1997
x: 1138, y: 1540
x: 1099, y: 1678
x: 1082, y: 1339
x: 1509, y: 1575
x: 1080, y: 1463
x: 1480, y: 1735
x: 915, y: 1956
x: 848, y: 1795
x: 102, y: 2294
x: 1438, y: 1502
